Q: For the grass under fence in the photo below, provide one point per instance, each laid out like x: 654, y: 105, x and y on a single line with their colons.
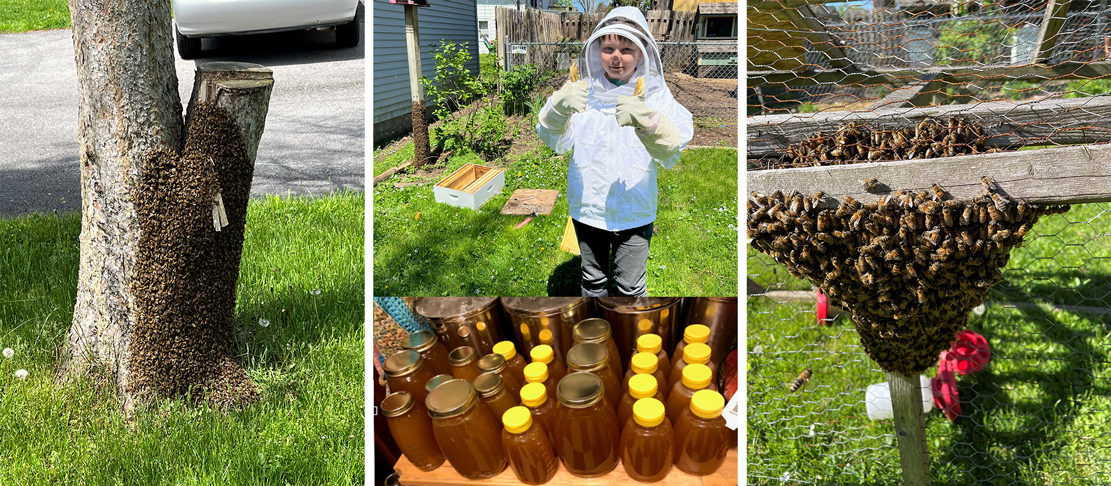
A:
x: 422, y: 247
x: 1036, y: 415
x: 300, y: 337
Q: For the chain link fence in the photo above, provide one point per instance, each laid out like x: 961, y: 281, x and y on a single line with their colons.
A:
x: 702, y: 75
x: 1037, y: 413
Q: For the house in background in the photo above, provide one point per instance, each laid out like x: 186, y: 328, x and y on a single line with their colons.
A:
x: 487, y: 30
x: 453, y: 20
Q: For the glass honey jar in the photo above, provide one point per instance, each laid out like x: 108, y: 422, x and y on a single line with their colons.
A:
x: 640, y: 386
x: 464, y: 363
x: 493, y: 394
x: 595, y: 330
x: 495, y: 363
x: 544, y: 354
x: 647, y: 443
x: 468, y: 434
x: 653, y: 343
x: 538, y: 373
x: 437, y: 381
x: 431, y: 350
x: 701, y: 437
x: 535, y: 397
x: 411, y: 428
x: 513, y: 360
x: 696, y: 353
x: 645, y: 363
x: 588, y: 436
x: 526, y: 444
x: 405, y: 371
x: 594, y: 358
x: 695, y: 377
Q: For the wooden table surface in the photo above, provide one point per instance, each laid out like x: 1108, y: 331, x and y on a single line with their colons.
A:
x: 446, y: 476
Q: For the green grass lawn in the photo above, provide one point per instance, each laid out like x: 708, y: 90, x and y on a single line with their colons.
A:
x: 26, y: 15
x: 302, y: 271
x: 1036, y: 415
x: 422, y: 247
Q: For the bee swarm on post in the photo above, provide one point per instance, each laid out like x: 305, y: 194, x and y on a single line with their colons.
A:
x: 909, y: 266
x: 857, y: 142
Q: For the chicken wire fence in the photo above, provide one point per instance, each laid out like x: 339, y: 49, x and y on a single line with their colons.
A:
x: 839, y: 87
x: 702, y: 75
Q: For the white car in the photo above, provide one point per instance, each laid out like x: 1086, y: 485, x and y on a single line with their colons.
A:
x: 197, y: 19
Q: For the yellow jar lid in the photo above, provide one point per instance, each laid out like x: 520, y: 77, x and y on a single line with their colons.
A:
x: 645, y: 363
x: 707, y: 404
x: 643, y: 386
x: 506, y: 349
x: 545, y: 336
x: 534, y: 394
x: 648, y: 412
x: 644, y: 325
x: 542, y: 353
x: 650, y: 343
x: 536, y: 372
x: 696, y: 353
x: 517, y: 420
x: 696, y: 333
x: 696, y: 376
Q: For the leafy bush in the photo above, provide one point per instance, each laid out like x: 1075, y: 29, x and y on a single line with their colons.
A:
x: 477, y: 128
x: 1083, y: 88
x: 972, y: 42
x: 489, y: 132
x: 517, y: 86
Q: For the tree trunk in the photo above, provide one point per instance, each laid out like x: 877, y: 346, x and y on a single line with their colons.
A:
x: 162, y: 217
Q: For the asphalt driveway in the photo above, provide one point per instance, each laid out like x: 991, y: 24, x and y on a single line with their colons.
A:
x: 313, y: 142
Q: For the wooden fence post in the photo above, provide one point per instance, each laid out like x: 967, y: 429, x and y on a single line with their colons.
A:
x: 910, y: 428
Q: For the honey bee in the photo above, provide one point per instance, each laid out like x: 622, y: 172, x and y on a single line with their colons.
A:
x: 867, y: 279
x: 777, y: 227
x: 825, y: 238
x: 856, y: 220
x: 893, y: 255
x: 1001, y: 235
x: 1020, y: 233
x: 870, y: 185
x: 911, y: 272
x: 801, y: 380
x: 966, y: 215
x: 796, y: 202
x: 939, y: 193
x: 989, y: 186
x: 921, y: 294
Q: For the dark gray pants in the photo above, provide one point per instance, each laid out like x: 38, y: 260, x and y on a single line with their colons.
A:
x: 629, y: 249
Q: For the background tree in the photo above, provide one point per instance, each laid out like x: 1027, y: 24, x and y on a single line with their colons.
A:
x: 163, y: 208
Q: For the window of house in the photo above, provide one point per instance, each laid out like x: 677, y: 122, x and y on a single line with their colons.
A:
x: 719, y: 26
x: 483, y: 25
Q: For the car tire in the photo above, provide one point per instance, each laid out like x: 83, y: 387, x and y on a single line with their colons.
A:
x: 187, y: 47
x: 347, y: 35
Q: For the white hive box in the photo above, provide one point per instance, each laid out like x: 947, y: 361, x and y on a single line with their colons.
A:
x: 470, y: 186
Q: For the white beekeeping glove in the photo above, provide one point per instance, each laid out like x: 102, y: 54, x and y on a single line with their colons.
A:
x: 568, y: 100
x: 660, y: 137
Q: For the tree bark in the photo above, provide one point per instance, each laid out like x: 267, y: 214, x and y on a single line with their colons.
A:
x: 148, y: 198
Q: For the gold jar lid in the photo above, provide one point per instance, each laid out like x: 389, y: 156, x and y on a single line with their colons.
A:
x: 580, y: 390
x: 461, y: 356
x: 450, y: 399
x: 588, y: 357
x: 492, y: 362
x: 402, y: 363
x: 591, y: 330
x: 420, y: 341
x: 488, y: 384
x: 396, y: 404
x: 436, y: 381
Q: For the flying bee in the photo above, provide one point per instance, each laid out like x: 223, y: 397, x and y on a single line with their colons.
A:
x: 801, y: 380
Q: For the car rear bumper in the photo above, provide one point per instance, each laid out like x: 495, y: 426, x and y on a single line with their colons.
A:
x: 205, y: 18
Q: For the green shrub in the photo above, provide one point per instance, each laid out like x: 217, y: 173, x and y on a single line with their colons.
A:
x: 517, y: 86
x: 972, y: 42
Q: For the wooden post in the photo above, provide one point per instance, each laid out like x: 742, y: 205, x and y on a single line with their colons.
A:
x: 421, y: 148
x: 910, y: 429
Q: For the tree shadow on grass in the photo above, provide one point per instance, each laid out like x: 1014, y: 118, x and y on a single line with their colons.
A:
x: 565, y: 279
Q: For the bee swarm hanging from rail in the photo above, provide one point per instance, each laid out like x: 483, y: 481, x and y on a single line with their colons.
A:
x: 909, y: 266
x: 857, y: 142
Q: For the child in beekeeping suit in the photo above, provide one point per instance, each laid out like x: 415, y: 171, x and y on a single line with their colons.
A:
x: 618, y: 137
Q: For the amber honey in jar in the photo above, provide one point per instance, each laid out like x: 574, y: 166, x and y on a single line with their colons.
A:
x: 647, y: 443
x: 493, y: 394
x: 653, y: 343
x: 695, y: 377
x: 645, y: 364
x: 431, y: 350
x: 466, y: 431
x: 437, y: 381
x: 640, y: 386
x: 411, y: 428
x: 495, y: 363
x: 538, y: 373
x: 695, y: 333
x: 594, y: 358
x: 405, y: 371
x: 588, y: 436
x: 464, y: 363
x: 544, y: 354
x: 701, y: 436
x: 595, y: 330
x: 535, y: 397
x: 513, y: 360
x: 696, y: 353
x: 526, y: 444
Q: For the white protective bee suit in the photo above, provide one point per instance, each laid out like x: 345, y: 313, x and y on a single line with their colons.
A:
x: 611, y: 181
